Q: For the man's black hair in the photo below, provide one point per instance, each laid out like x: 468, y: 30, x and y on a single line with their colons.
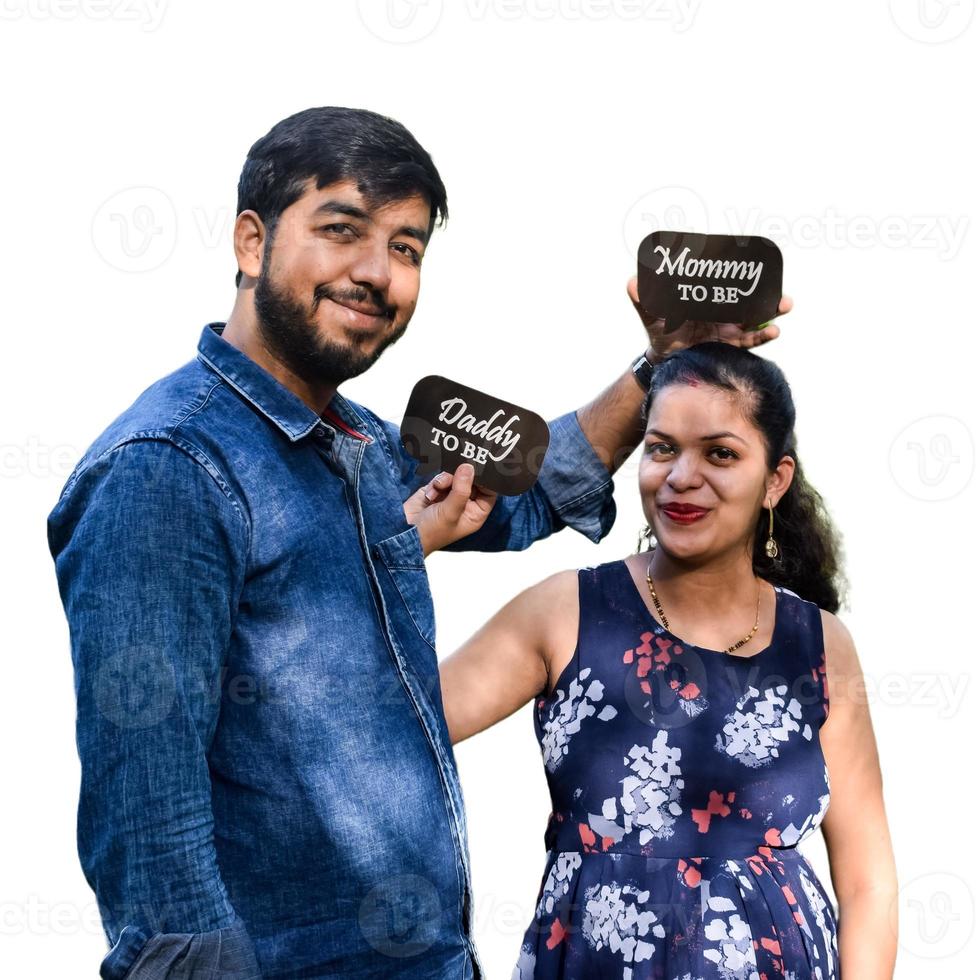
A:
x: 332, y: 143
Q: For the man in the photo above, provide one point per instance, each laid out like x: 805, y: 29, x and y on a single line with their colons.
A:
x: 268, y: 786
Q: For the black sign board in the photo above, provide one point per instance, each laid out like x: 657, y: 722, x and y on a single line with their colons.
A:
x: 715, y: 278
x: 447, y: 423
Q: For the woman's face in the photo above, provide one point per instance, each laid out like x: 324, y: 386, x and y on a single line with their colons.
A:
x: 699, y: 451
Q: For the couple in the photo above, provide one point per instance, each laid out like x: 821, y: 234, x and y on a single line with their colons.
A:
x: 268, y: 787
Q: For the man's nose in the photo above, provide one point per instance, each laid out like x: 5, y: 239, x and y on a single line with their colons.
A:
x: 372, y: 266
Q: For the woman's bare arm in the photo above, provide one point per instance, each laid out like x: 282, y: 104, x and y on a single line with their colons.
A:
x: 512, y: 657
x: 855, y: 828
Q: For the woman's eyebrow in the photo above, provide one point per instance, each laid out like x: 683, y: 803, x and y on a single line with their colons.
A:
x: 714, y: 435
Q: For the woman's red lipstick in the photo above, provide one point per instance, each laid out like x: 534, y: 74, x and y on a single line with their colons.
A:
x: 684, y: 513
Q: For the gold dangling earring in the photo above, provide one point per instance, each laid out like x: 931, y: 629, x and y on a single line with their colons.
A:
x: 645, y: 532
x: 771, y: 549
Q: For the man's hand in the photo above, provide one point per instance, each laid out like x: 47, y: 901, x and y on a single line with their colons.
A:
x: 448, y: 508
x: 692, y: 332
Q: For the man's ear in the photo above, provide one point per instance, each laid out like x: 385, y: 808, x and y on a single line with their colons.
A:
x: 249, y: 240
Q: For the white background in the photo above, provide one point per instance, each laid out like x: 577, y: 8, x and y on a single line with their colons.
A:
x: 564, y: 131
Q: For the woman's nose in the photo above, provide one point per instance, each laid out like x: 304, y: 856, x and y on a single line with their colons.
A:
x: 684, y: 473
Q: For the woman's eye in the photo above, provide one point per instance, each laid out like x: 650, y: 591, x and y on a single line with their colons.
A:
x: 723, y: 449
x: 663, y: 447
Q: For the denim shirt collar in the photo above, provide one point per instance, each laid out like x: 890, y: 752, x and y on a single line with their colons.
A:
x: 272, y: 398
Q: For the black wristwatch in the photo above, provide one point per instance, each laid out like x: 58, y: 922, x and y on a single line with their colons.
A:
x: 643, y: 371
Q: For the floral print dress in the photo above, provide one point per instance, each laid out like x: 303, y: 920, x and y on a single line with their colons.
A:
x: 682, y: 780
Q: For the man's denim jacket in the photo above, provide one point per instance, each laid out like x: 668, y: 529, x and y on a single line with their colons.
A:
x: 268, y: 785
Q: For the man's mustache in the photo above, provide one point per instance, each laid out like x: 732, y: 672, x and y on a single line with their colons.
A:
x: 360, y: 296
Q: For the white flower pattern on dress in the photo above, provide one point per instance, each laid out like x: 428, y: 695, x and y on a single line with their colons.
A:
x: 566, y: 714
x: 649, y: 800
x: 753, y: 736
x: 559, y: 878
x: 615, y: 919
x: 728, y: 937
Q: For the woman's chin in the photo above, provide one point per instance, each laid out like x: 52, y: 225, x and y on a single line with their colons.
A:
x: 685, y: 545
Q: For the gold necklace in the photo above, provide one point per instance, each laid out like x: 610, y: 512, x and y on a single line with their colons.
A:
x: 660, y: 610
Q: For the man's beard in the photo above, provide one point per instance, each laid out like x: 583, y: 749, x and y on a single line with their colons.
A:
x: 291, y: 334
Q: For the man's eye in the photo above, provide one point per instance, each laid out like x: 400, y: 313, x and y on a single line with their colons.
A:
x: 409, y: 251
x: 338, y: 229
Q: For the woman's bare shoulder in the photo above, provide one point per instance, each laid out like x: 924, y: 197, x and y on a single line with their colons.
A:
x: 556, y: 600
x: 558, y: 587
x: 840, y: 652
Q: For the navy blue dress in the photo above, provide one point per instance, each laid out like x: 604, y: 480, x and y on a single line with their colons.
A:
x: 682, y: 780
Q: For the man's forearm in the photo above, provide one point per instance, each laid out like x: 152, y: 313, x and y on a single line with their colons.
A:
x: 611, y: 421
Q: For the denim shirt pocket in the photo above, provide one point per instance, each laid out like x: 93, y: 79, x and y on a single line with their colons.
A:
x: 405, y: 562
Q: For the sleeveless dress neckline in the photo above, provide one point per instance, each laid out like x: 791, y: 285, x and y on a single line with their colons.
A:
x: 631, y: 591
x: 658, y: 626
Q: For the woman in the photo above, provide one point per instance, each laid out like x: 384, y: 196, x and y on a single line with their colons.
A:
x: 696, y: 713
